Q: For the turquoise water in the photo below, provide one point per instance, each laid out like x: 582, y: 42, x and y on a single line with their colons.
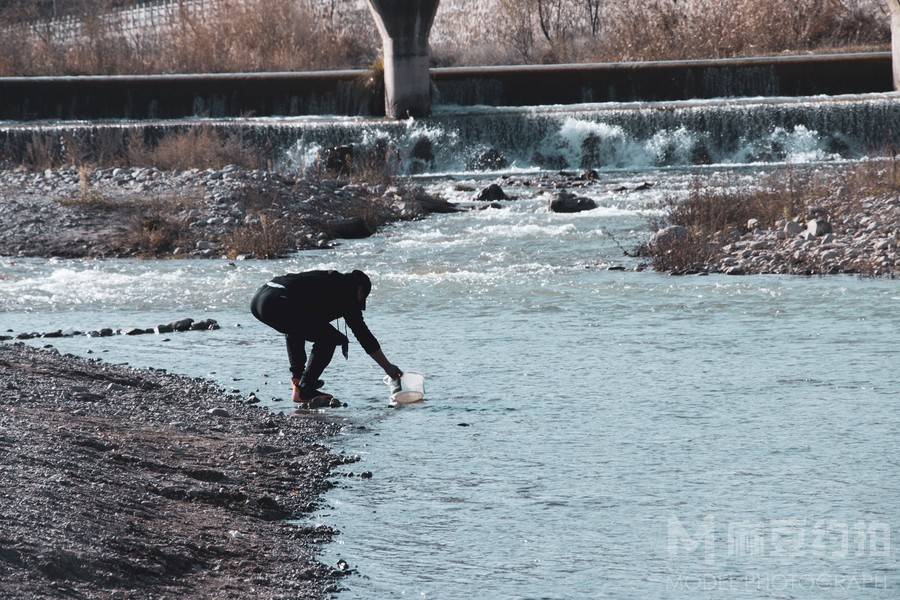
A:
x: 587, y: 434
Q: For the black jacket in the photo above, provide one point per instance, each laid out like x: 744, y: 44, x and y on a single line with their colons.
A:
x: 323, y: 296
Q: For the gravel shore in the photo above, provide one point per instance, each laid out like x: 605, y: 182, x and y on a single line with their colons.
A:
x: 124, y: 212
x: 124, y: 483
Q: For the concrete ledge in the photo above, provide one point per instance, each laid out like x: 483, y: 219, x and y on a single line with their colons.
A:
x: 830, y: 74
x: 343, y: 92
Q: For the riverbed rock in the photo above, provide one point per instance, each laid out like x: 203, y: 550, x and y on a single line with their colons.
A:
x: 218, y: 412
x: 205, y: 325
x: 350, y: 229
x: 668, y: 236
x: 492, y: 193
x: 567, y: 202
x: 818, y: 227
x: 793, y: 228
x: 422, y: 155
x: 181, y: 325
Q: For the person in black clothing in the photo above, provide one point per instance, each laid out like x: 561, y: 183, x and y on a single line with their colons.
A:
x: 301, y: 306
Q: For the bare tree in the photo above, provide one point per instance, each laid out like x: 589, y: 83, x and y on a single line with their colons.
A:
x: 593, y: 15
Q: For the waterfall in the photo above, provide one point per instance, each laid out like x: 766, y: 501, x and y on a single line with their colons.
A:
x: 598, y: 136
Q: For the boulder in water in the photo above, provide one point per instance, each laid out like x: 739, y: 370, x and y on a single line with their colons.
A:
x: 492, y: 193
x: 354, y: 228
x: 422, y: 155
x: 567, y: 202
x: 205, y: 325
x: 181, y: 325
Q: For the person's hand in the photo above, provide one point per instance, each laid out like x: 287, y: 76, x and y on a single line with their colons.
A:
x: 393, y: 371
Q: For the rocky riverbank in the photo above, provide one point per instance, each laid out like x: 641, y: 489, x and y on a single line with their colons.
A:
x: 233, y: 212
x: 123, y: 483
x: 832, y: 226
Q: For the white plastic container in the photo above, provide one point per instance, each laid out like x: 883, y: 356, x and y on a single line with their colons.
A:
x: 409, y: 389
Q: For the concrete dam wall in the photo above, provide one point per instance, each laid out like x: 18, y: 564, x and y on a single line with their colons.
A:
x: 349, y: 92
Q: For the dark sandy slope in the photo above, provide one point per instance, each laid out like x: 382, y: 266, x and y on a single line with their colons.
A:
x: 123, y: 483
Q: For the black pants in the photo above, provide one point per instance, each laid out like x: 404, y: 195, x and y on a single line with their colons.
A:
x: 273, y: 308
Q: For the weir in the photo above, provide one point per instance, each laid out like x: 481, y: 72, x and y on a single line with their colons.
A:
x: 600, y: 136
x: 345, y: 92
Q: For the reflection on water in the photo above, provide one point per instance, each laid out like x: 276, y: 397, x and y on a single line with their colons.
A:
x: 584, y: 428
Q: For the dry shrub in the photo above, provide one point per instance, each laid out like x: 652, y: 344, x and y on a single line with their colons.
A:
x: 266, y: 238
x: 155, y: 227
x: 88, y: 196
x: 240, y: 35
x: 709, y: 210
x: 668, y: 29
x: 587, y: 30
x: 683, y: 255
x: 195, y: 147
x: 153, y: 233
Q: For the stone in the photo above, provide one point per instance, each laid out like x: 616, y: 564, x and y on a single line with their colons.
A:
x: 753, y: 224
x: 735, y: 270
x: 818, y: 227
x: 134, y: 331
x: 181, y: 325
x: 205, y: 245
x: 321, y: 402
x: 421, y: 155
x: 793, y: 228
x: 159, y: 329
x: 567, y: 202
x: 204, y: 325
x: 350, y: 229
x: 218, y: 412
x: 669, y: 235
x: 491, y: 193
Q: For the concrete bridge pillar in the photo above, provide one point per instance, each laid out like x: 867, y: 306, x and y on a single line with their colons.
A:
x: 404, y: 26
x: 895, y: 38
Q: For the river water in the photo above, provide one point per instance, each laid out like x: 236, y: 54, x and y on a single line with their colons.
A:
x: 588, y: 433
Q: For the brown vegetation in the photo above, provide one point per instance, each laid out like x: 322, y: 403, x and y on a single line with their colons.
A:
x: 245, y: 35
x: 198, y: 147
x: 266, y: 237
x: 274, y: 35
x: 716, y: 216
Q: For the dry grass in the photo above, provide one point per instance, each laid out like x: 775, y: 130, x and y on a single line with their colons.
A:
x: 267, y: 238
x: 190, y: 148
x: 274, y: 35
x: 154, y: 233
x: 244, y: 35
x: 88, y: 196
x: 195, y: 147
x: 714, y: 216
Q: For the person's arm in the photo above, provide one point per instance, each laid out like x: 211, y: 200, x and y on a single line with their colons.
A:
x: 392, y: 370
x: 362, y: 333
